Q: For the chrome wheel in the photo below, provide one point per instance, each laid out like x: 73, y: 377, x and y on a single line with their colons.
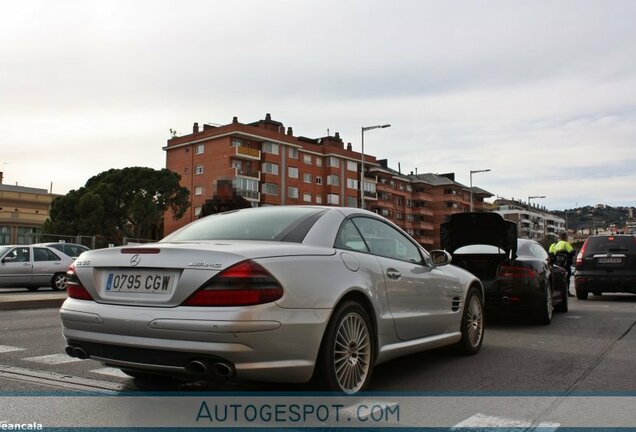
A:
x: 474, y: 322
x: 58, y: 282
x: 352, y: 353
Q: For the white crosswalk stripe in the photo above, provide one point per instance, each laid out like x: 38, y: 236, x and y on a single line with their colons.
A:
x: 486, y: 423
x: 7, y: 348
x: 53, y: 359
x: 110, y: 372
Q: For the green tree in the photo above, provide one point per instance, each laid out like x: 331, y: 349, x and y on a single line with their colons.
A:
x: 120, y: 202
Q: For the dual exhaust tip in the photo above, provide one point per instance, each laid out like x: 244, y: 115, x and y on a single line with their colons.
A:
x: 199, y: 368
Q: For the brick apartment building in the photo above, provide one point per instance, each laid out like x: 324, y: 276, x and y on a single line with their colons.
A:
x: 268, y: 165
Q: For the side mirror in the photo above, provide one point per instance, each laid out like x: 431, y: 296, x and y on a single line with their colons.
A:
x: 8, y: 259
x: 440, y: 257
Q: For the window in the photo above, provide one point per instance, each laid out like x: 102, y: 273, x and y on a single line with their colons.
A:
x: 352, y: 166
x: 186, y: 170
x: 333, y: 180
x: 352, y: 183
x: 318, y: 180
x: 307, y: 178
x: 333, y: 162
x: 307, y: 197
x: 247, y: 188
x: 198, y: 190
x: 318, y: 199
x: 42, y: 254
x: 349, y: 238
x: 199, y: 149
x: 198, y: 169
x: 386, y: 241
x: 292, y: 172
x: 270, y: 189
x: 318, y: 161
x: 21, y: 254
x: 333, y: 199
x: 197, y: 211
x: 307, y: 159
x: 293, y: 153
x: 369, y: 187
x: 292, y: 192
x: 269, y: 147
x: 270, y: 168
x: 236, y: 143
x: 352, y: 201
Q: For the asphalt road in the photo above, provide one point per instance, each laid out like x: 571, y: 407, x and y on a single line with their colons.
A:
x: 592, y: 349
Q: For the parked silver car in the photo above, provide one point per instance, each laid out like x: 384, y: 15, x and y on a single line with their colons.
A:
x: 71, y: 249
x: 271, y: 294
x: 33, y: 267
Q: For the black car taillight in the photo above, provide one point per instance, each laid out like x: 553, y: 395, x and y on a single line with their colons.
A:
x: 244, y: 284
x: 74, y: 288
x: 579, y: 257
x: 514, y: 272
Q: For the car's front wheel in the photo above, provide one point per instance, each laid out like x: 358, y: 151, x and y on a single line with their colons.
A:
x: 58, y: 282
x: 472, y: 326
x: 346, y: 358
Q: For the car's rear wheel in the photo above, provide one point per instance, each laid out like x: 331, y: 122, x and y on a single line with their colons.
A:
x: 563, y: 306
x: 346, y: 358
x: 581, y: 294
x: 58, y: 282
x: 543, y: 315
x: 472, y: 326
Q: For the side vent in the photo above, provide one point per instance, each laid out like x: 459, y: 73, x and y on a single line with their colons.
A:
x: 457, y: 302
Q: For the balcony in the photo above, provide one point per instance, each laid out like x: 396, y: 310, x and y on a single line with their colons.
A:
x: 250, y: 195
x: 423, y: 211
x: 247, y: 153
x: 239, y: 172
x: 370, y: 195
x: 422, y: 196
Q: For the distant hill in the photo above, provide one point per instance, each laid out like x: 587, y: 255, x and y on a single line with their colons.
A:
x: 599, y: 218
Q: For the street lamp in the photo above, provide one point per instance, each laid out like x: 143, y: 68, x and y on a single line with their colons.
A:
x: 471, y: 184
x: 364, y: 129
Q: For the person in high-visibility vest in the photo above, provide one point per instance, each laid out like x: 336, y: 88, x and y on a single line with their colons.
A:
x: 562, y: 254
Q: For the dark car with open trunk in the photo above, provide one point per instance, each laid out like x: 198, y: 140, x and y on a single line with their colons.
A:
x: 516, y: 273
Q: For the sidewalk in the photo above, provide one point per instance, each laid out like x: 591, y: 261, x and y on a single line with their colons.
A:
x: 31, y: 300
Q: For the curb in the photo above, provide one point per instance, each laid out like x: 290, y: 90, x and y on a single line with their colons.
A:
x: 54, y: 302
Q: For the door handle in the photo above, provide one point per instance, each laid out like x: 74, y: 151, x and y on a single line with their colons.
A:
x: 26, y: 264
x: 393, y: 273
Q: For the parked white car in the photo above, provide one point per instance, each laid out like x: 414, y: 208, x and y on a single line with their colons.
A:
x: 33, y: 267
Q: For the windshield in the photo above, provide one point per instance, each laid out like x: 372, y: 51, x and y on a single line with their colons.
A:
x: 3, y: 250
x: 264, y: 223
x: 607, y: 244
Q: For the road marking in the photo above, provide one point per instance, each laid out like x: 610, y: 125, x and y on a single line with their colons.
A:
x: 573, y: 316
x: 7, y: 348
x: 58, y: 380
x: 52, y: 359
x: 485, y: 421
x: 111, y: 372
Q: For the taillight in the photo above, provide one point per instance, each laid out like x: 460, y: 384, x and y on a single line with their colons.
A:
x: 510, y: 271
x: 244, y: 284
x: 579, y: 257
x: 74, y: 288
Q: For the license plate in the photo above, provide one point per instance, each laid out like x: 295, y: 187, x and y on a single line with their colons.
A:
x: 145, y: 282
x: 610, y: 260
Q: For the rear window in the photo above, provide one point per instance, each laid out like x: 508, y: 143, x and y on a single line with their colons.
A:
x: 264, y: 223
x: 607, y: 244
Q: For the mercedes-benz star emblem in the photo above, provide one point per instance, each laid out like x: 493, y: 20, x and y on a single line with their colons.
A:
x: 136, y: 259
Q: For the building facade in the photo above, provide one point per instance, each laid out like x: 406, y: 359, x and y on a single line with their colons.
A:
x: 23, y: 210
x: 532, y: 222
x: 268, y: 165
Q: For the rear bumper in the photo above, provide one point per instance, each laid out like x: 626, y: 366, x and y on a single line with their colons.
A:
x: 263, y: 343
x: 514, y: 297
x: 606, y: 282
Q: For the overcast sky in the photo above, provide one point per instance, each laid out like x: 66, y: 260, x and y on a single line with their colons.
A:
x: 543, y: 93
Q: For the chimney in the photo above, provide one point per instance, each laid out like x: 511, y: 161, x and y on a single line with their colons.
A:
x: 337, y: 135
x: 290, y: 131
x: 195, y: 128
x: 349, y: 147
x: 399, y: 168
x: 235, y: 119
x: 384, y: 163
x: 268, y: 117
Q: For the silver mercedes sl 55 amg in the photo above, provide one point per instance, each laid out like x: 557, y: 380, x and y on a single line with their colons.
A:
x: 270, y: 294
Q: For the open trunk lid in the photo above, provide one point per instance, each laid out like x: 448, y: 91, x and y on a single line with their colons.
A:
x: 464, y: 229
